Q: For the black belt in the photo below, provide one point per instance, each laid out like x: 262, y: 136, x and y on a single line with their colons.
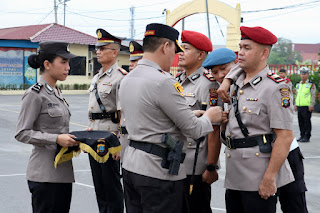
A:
x: 123, y: 130
x: 96, y: 116
x: 153, y: 149
x: 249, y: 141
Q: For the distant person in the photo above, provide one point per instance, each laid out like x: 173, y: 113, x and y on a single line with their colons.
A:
x: 283, y: 74
x: 305, y: 100
x: 44, y: 123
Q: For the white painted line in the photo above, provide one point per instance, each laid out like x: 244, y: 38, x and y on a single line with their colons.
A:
x: 81, y: 184
x: 312, y: 157
x: 218, y: 209
x: 9, y: 110
x: 24, y: 174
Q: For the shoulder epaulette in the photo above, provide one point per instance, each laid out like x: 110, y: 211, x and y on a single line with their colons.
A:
x: 123, y: 71
x: 178, y: 77
x: 37, y: 87
x: 208, y: 75
x: 276, y: 78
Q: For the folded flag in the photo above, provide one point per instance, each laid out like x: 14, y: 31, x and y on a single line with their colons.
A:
x: 99, y: 144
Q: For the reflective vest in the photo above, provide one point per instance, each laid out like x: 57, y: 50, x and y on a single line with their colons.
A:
x: 303, y: 94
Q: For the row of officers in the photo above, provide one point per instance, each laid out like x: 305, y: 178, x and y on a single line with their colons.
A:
x: 170, y: 129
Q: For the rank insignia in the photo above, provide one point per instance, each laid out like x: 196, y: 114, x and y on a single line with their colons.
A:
x: 285, y: 102
x: 257, y: 80
x: 49, y: 87
x: 123, y: 71
x: 194, y: 77
x: 101, y: 147
x: 276, y: 78
x: 179, y: 88
x: 208, y: 76
x: 37, y: 87
x: 213, y: 101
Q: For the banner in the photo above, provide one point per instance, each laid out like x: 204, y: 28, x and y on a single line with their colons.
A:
x: 11, y: 67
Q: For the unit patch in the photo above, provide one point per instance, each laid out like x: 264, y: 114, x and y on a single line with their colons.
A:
x: 179, y: 88
x: 285, y: 91
x: 213, y: 97
x: 101, y: 147
x: 285, y: 102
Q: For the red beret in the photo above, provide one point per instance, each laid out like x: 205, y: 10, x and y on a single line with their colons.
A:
x: 258, y: 34
x: 198, y: 40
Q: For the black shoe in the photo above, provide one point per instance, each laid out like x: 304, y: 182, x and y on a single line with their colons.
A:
x: 304, y: 140
x: 300, y: 139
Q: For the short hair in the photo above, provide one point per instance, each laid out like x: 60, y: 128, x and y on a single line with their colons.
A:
x: 152, y: 43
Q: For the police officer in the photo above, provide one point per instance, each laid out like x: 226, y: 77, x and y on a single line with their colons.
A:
x: 104, y: 114
x: 219, y: 62
x: 157, y: 118
x: 136, y: 53
x: 291, y: 196
x: 259, y: 132
x: 305, y: 99
x: 197, y: 86
x: 283, y: 74
x: 44, y: 123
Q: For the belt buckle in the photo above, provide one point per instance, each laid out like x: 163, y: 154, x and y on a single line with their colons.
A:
x: 228, y: 142
x: 90, y: 116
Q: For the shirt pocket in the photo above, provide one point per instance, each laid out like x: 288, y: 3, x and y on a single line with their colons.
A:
x: 250, y: 112
x: 55, y: 119
x: 105, y: 92
x: 256, y: 160
x: 191, y: 101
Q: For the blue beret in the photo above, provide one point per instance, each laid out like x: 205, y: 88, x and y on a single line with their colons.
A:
x: 219, y: 57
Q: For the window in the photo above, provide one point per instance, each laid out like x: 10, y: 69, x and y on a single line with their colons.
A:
x: 78, y: 66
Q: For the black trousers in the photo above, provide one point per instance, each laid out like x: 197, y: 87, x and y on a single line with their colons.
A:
x: 292, y: 196
x: 249, y: 202
x: 50, y: 197
x: 304, y: 118
x: 150, y: 195
x: 107, y: 185
x: 199, y: 200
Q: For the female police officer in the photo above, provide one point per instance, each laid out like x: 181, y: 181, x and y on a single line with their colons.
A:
x: 44, y: 123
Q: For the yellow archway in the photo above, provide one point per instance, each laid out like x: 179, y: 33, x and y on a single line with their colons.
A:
x: 232, y: 15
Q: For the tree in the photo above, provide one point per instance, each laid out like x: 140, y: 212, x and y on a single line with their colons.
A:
x: 282, y: 53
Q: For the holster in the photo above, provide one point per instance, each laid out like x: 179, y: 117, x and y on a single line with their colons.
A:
x: 115, y: 117
x: 174, y: 158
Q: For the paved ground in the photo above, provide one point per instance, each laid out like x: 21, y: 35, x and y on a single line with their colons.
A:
x: 14, y: 156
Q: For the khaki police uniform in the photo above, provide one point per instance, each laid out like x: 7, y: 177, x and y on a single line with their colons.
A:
x: 106, y: 176
x: 264, y: 105
x: 43, y: 116
x: 108, y: 88
x: 156, y: 116
x: 198, y: 89
x: 152, y: 106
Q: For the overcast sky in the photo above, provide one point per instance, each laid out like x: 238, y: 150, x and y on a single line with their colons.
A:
x: 297, y: 21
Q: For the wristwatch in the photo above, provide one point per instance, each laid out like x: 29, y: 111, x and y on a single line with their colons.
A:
x: 212, y: 167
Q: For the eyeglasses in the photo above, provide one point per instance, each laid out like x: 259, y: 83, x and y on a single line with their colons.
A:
x: 103, y: 48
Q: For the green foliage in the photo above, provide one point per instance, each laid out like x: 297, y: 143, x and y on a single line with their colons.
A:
x: 76, y: 86
x: 282, y: 53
